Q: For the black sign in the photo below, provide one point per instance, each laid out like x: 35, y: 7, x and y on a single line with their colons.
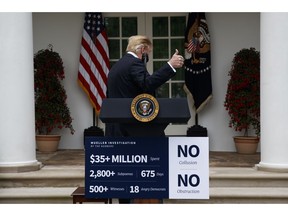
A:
x: 126, y: 167
x: 138, y: 167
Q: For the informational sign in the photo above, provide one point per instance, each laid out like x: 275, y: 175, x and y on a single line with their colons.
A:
x: 188, y: 168
x: 147, y: 167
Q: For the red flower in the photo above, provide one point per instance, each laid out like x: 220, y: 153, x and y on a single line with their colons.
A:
x: 51, y: 110
x: 242, y: 99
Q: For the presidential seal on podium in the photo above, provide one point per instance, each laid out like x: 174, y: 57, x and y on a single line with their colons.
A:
x: 144, y: 107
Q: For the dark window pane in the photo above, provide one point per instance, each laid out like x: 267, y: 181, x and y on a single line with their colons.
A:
x: 177, y: 44
x: 160, y: 49
x: 160, y: 26
x: 180, y: 73
x: 112, y: 63
x: 114, y: 49
x: 158, y: 64
x: 124, y: 46
x: 178, y: 91
x: 178, y: 25
x: 112, y: 26
x: 163, y: 91
x: 129, y: 26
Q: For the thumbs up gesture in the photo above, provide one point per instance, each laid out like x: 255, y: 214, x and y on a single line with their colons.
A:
x: 177, y: 60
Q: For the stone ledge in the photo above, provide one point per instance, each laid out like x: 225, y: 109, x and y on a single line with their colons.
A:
x: 21, y: 168
x: 36, y: 192
x: 249, y: 192
x: 56, y: 172
x: 244, y: 173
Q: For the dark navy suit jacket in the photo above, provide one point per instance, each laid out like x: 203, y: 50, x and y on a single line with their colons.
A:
x: 129, y: 78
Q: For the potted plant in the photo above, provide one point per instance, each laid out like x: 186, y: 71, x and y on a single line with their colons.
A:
x: 51, y: 110
x: 242, y: 99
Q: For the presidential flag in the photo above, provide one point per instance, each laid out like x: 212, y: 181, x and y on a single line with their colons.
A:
x: 198, y: 61
x: 94, y: 59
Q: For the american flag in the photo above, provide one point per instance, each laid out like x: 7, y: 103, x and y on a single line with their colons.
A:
x: 192, y: 46
x: 94, y: 59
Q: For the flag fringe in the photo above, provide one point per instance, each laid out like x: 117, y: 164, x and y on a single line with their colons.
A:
x: 91, y: 101
x: 203, y: 104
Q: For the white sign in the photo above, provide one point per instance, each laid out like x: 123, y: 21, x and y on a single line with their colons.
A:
x: 188, y: 168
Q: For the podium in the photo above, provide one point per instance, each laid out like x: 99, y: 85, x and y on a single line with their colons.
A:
x: 118, y: 110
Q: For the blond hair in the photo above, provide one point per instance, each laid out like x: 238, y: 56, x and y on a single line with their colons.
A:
x: 138, y: 41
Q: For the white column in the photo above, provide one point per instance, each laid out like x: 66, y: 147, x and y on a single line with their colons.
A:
x: 17, y: 130
x: 274, y: 92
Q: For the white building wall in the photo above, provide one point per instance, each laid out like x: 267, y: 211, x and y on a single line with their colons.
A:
x: 229, y: 33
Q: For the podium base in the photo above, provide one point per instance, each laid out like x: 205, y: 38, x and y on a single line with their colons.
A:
x: 197, y: 131
x: 93, y: 131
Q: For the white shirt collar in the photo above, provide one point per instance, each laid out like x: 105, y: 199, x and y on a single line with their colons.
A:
x: 133, y: 54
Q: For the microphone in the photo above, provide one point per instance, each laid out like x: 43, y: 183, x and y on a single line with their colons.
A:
x: 145, y: 58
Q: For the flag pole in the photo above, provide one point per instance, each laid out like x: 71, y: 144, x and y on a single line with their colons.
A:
x: 94, y: 117
x: 93, y: 130
x: 197, y: 130
x: 197, y: 33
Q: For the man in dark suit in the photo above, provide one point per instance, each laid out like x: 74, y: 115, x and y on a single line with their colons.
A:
x: 129, y: 77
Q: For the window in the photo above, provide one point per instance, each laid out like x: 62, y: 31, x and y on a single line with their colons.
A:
x: 168, y: 35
